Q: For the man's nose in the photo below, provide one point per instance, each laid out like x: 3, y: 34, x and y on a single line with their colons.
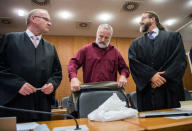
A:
x: 49, y: 23
x: 103, y: 39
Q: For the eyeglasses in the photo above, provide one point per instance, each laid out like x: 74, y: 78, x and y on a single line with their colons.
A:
x: 46, y: 19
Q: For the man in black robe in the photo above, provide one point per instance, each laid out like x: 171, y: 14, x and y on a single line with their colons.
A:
x: 27, y: 64
x: 157, y: 62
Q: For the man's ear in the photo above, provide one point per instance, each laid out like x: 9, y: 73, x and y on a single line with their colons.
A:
x: 32, y: 19
x: 153, y: 19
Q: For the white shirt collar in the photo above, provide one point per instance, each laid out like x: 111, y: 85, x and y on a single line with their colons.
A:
x: 30, y: 34
x: 156, y: 32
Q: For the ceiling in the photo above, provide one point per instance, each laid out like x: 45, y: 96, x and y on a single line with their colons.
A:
x: 87, y: 11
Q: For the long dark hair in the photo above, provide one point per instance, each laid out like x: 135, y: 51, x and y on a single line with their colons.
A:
x: 153, y: 14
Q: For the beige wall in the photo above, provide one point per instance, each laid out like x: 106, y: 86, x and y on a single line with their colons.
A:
x: 188, y: 46
x: 68, y: 47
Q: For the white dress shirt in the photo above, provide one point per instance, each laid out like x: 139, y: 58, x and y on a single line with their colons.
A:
x: 30, y: 34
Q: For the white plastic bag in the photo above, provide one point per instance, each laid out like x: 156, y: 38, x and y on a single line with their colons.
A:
x: 112, y: 109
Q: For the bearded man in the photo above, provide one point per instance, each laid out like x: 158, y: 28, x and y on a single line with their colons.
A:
x: 100, y: 61
x: 157, y: 61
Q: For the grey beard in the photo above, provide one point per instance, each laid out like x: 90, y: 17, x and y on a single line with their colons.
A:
x: 102, y: 45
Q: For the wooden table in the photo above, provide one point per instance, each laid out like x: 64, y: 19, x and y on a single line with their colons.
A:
x: 56, y: 117
x: 95, y: 126
x: 132, y: 124
x: 162, y: 123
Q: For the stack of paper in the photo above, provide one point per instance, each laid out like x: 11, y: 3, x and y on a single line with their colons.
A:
x: 186, y: 105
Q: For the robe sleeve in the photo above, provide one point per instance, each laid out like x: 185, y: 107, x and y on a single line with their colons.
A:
x: 141, y: 72
x: 75, y: 63
x: 10, y: 83
x: 190, y: 54
x: 122, y: 66
x: 56, y: 76
x: 175, y: 65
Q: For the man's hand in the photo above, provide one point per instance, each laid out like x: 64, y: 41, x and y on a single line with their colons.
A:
x: 157, y: 80
x: 153, y: 85
x: 27, y: 89
x: 122, y: 81
x: 75, y: 84
x: 47, y: 88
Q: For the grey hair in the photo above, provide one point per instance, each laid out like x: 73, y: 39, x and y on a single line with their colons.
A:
x: 33, y: 13
x: 105, y: 26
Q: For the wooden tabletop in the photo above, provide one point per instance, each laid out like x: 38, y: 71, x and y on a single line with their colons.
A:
x: 63, y: 110
x: 163, y: 123
x: 155, y: 124
x: 95, y: 126
x: 56, y: 117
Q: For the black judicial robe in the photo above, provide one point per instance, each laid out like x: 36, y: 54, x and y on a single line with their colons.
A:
x: 147, y: 57
x: 190, y: 54
x: 21, y: 62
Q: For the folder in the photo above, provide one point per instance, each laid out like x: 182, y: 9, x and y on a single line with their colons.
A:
x: 165, y: 113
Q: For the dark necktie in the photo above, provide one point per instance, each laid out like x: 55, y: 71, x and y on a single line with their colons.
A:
x: 150, y: 35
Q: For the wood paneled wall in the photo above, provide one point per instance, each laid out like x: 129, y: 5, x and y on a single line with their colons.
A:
x: 69, y: 46
x: 187, y: 78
